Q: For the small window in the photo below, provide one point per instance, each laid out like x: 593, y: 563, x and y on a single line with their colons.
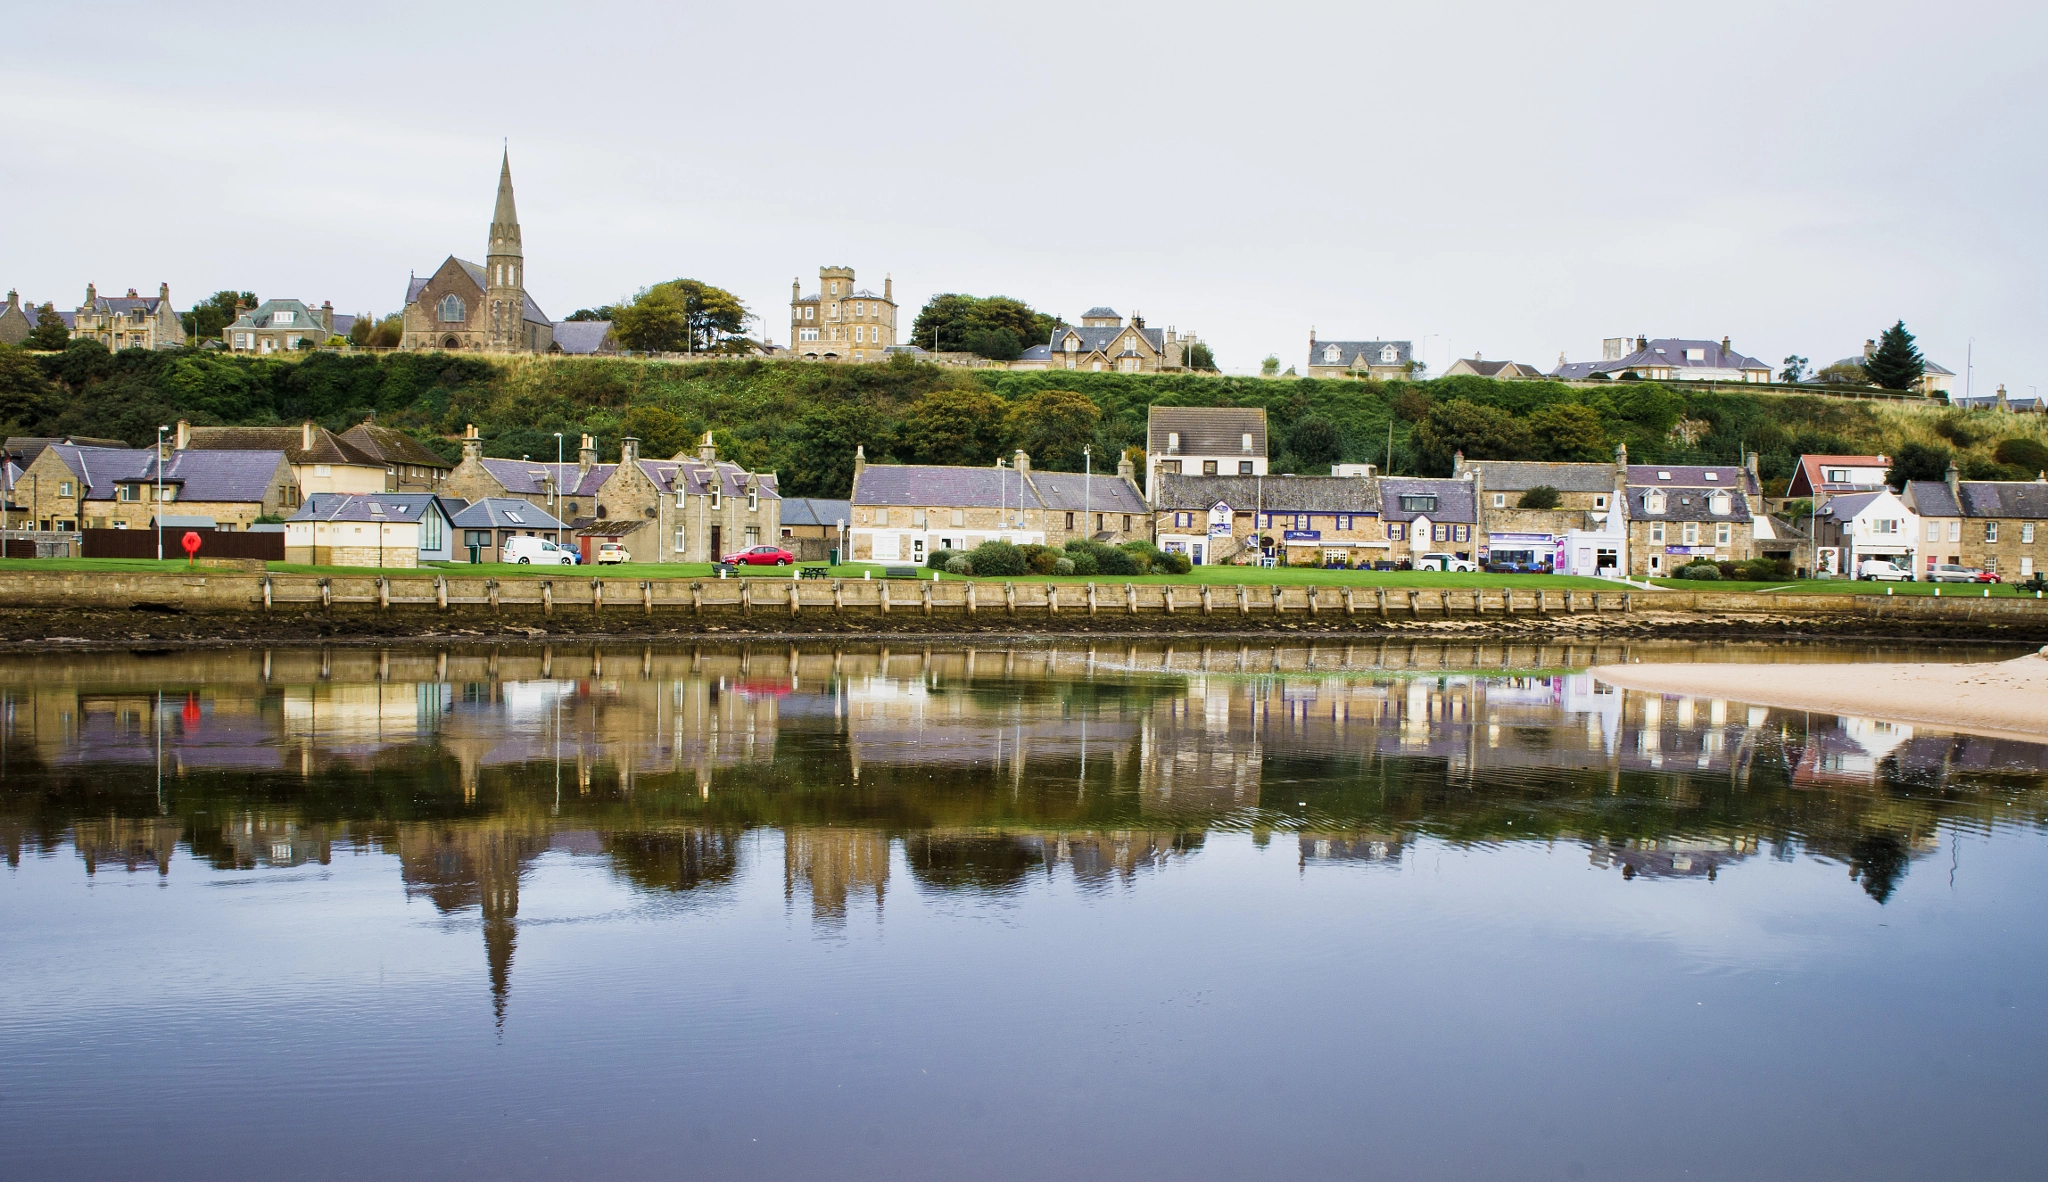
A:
x: 1500, y: 500
x: 1657, y: 533
x: 1173, y: 441
x: 753, y: 500
x: 2027, y: 532
x: 1422, y: 503
x: 716, y: 499
x: 1127, y: 522
x: 514, y: 518
x: 881, y: 517
x: 1396, y: 530
x: 1208, y: 467
x: 1599, y: 502
x: 1244, y: 467
x: 1461, y: 533
x: 959, y: 517
x: 1990, y: 531
x: 1070, y: 521
x: 1663, y: 475
x: 63, y: 488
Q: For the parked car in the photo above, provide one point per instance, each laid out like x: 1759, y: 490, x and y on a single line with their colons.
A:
x: 1949, y: 572
x: 761, y: 556
x: 1445, y: 562
x: 536, y: 552
x: 609, y: 553
x: 1989, y: 576
x: 1882, y: 570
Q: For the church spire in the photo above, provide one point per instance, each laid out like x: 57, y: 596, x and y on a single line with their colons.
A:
x: 505, y: 219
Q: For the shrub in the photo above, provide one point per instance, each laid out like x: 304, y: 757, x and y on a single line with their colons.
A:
x: 1043, y: 559
x: 938, y: 559
x: 1173, y: 564
x: 1728, y: 570
x: 2029, y: 455
x: 998, y: 559
x: 1114, y: 560
x: 960, y: 564
x: 1540, y: 497
x: 1707, y: 573
x: 1081, y: 562
x: 1063, y: 566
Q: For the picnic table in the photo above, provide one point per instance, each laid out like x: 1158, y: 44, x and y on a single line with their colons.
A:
x: 820, y: 571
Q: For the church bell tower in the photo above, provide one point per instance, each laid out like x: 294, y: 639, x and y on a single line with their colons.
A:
x: 504, y: 281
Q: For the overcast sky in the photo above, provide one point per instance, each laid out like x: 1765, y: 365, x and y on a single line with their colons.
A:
x: 1515, y: 179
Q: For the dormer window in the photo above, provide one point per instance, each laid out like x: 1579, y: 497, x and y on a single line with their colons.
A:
x: 1418, y: 502
x: 1332, y: 355
x: 1247, y: 440
x: 1693, y: 354
x: 1389, y: 355
x: 1718, y: 504
x: 1653, y: 502
x: 1173, y: 441
x: 1072, y: 344
x: 280, y: 319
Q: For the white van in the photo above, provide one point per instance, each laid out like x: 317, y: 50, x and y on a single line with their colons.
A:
x: 535, y: 552
x: 1445, y: 562
x: 1883, y: 570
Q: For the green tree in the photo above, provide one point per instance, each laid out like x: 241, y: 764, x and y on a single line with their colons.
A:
x: 2026, y: 454
x: 660, y: 432
x: 1316, y: 442
x: 206, y: 320
x: 1052, y: 426
x: 1541, y: 496
x: 1567, y: 431
x: 1795, y: 369
x: 717, y: 319
x: 1199, y: 357
x: 822, y: 444
x: 963, y: 323
x: 954, y: 426
x: 49, y: 334
x: 654, y: 321
x: 1481, y: 432
x: 604, y: 312
x: 1270, y: 367
x: 1917, y: 461
x: 1846, y: 372
x: 26, y: 396
x: 1896, y: 364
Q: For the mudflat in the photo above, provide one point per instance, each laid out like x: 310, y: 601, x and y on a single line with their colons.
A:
x: 2008, y: 699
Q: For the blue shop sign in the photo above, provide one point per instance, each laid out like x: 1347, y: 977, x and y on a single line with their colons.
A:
x: 1302, y: 535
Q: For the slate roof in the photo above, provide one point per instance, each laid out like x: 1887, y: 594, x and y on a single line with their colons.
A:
x: 696, y: 477
x: 1100, y: 312
x: 1036, y: 353
x: 581, y: 336
x: 1358, y: 352
x: 1277, y: 494
x: 1491, y: 369
x: 387, y: 507
x: 302, y: 314
x: 1846, y: 507
x: 478, y: 276
x: 1665, y: 351
x: 528, y: 477
x: 328, y: 448
x: 1690, y: 476
x: 101, y: 468
x: 1686, y: 504
x: 1100, y: 339
x: 198, y: 475
x: 1100, y: 493
x: 389, y: 445
x: 1455, y: 501
x: 816, y: 511
x: 27, y: 447
x: 1205, y: 430
x: 505, y: 513
x: 2005, y: 498
x: 119, y: 304
x: 941, y: 486
x: 1931, y: 498
x: 1520, y: 476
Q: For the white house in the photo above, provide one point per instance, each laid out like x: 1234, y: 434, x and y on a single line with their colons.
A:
x: 1877, y: 525
x: 1204, y: 441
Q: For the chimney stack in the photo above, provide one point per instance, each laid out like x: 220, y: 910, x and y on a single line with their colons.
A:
x: 629, y: 450
x: 586, y: 454
x: 1954, y: 480
x: 306, y: 435
x: 91, y: 293
x: 1869, y: 347
x: 707, y: 451
x: 472, y: 447
x: 1725, y: 346
x: 1126, y: 470
x: 327, y: 316
x: 1023, y: 462
x: 184, y: 435
x: 860, y: 461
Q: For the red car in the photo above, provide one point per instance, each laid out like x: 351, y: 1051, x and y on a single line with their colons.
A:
x: 761, y: 556
x: 1989, y: 576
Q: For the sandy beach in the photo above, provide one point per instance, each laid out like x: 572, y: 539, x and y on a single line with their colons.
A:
x: 2007, y: 699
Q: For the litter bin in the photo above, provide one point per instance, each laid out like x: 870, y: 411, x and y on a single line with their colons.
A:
x: 476, y: 553
x: 832, y: 556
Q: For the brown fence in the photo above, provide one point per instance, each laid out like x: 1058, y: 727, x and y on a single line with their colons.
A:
x: 141, y: 543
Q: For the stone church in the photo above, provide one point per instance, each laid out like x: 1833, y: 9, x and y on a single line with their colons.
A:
x: 482, y: 308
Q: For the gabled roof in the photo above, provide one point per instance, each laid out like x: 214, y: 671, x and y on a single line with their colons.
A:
x: 101, y: 468
x: 1690, y: 476
x: 695, y: 477
x: 1101, y: 312
x: 528, y: 477
x: 943, y: 486
x: 328, y: 448
x: 1685, y: 503
x: 389, y: 445
x: 2005, y: 498
x: 1276, y: 494
x: 581, y: 336
x: 261, y: 316
x: 1521, y: 476
x: 505, y: 513
x: 1205, y: 430
x: 1103, y: 339
x: 218, y: 475
x: 1846, y: 507
x: 1359, y: 353
x: 395, y: 508
x: 27, y: 447
x: 1665, y: 352
x: 1931, y: 498
x: 1454, y: 499
x: 1076, y: 491
x: 1807, y: 477
x: 816, y: 511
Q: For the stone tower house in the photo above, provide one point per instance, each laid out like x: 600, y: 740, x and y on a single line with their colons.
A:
x: 841, y: 322
x: 464, y: 305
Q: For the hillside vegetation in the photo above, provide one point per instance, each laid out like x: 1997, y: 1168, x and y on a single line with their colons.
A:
x: 804, y: 420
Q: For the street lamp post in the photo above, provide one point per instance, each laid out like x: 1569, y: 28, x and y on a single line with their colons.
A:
x: 160, y: 492
x: 558, y: 477
x: 1087, y: 490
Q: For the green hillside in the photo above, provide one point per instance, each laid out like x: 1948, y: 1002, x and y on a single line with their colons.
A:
x: 803, y: 420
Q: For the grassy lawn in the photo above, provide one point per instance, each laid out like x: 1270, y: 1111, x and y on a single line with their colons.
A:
x: 1849, y: 587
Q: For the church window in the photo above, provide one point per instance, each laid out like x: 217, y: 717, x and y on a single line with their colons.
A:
x: 452, y: 309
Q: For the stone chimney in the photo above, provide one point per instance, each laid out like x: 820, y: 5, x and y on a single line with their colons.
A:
x: 163, y: 292
x: 707, y: 451
x: 1756, y: 480
x: 1954, y: 480
x: 1458, y: 471
x: 586, y: 454
x: 1642, y: 342
x: 472, y: 447
x: 2001, y: 397
x: 306, y: 435
x: 629, y: 450
x: 1125, y: 469
x: 889, y: 288
x: 133, y: 295
x: 91, y: 293
x: 1023, y: 462
x: 327, y: 316
x: 1869, y: 347
x: 1725, y: 346
x: 163, y: 449
x: 184, y: 435
x: 13, y: 300
x: 860, y: 461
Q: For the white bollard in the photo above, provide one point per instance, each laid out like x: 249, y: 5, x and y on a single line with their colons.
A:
x: 867, y: 574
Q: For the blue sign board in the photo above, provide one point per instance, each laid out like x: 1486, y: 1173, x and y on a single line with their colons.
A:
x: 1302, y: 535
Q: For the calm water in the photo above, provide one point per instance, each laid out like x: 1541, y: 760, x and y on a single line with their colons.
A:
x: 1387, y: 912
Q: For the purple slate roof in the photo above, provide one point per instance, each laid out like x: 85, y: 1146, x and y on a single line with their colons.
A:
x: 1931, y: 498
x: 1691, y: 476
x: 696, y: 477
x: 100, y: 468
x: 1454, y: 499
x: 528, y: 477
x: 1072, y: 490
x: 581, y: 336
x: 2005, y: 498
x: 367, y: 507
x: 1687, y: 504
x: 938, y: 485
x: 199, y: 475
x: 1665, y: 351
x: 499, y: 513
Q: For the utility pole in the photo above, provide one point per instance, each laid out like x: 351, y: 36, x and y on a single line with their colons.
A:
x: 1087, y: 491
x: 160, y: 493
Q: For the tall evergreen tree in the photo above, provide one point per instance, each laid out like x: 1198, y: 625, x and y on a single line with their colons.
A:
x: 49, y: 333
x: 1896, y: 365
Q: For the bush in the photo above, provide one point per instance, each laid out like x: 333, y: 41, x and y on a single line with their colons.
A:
x: 1728, y: 570
x: 1173, y: 564
x: 1540, y: 497
x: 1063, y: 566
x: 1117, y: 561
x: 959, y: 564
x: 1706, y: 573
x: 2029, y: 455
x: 938, y: 559
x: 1082, y: 561
x: 1042, y: 559
x: 998, y: 559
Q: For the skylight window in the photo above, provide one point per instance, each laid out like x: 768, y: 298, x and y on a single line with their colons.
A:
x: 1663, y: 475
x: 514, y: 518
x: 376, y: 508
x: 1713, y: 476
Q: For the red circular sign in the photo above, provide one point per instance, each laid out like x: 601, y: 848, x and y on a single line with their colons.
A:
x: 191, y: 543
